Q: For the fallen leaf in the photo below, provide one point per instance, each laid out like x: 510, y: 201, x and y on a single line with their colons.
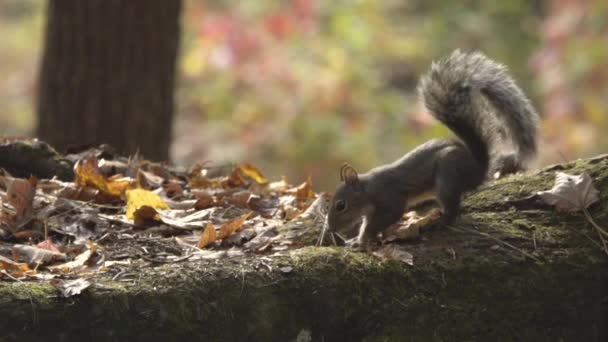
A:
x: 144, y: 215
x: 172, y: 189
x: 409, y: 228
x: 20, y: 194
x: 138, y: 198
x: 87, y: 173
x: 232, y: 226
x: 82, y: 261
x: 253, y: 173
x: 69, y: 288
x: 240, y: 199
x: 571, y: 193
x: 15, y: 269
x: 208, y: 236
x: 204, y: 200
x: 34, y: 255
x: 148, y: 180
x: 48, y: 245
x: 318, y: 208
x: 279, y: 186
x: 234, y: 179
x: 395, y: 252
x: 303, y: 191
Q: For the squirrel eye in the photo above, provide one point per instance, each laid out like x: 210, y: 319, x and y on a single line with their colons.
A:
x: 340, y: 205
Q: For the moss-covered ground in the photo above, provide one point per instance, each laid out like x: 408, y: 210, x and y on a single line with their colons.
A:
x: 512, y: 268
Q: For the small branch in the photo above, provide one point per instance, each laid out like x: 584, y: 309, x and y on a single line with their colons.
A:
x: 466, y: 230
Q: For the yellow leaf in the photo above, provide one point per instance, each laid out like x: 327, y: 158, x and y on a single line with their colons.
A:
x: 87, y: 173
x: 253, y: 173
x: 232, y: 226
x: 207, y: 236
x: 303, y: 191
x: 138, y: 198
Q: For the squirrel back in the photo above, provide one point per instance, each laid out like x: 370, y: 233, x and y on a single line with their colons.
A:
x: 450, y: 91
x: 477, y: 99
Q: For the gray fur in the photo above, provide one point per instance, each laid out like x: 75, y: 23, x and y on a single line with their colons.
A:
x: 449, y: 91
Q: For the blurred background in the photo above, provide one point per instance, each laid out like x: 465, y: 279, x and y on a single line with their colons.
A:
x: 297, y: 87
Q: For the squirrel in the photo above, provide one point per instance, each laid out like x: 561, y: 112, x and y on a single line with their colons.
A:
x: 477, y: 100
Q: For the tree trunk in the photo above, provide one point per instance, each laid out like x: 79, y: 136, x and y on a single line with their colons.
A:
x: 107, y: 74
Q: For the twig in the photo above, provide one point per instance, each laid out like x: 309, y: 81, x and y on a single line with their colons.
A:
x: 593, y: 223
x: 466, y: 230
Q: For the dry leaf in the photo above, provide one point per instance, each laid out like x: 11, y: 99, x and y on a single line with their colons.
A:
x: 232, y: 226
x: 204, y: 200
x: 145, y: 214
x: 87, y: 173
x: 13, y: 268
x: 138, y: 198
x: 279, y: 186
x: 20, y: 193
x: 48, y: 245
x: 208, y: 236
x: 409, y: 228
x: 34, y: 255
x: 69, y: 288
x: 234, y: 180
x: 571, y: 193
x: 80, y: 262
x: 240, y: 199
x: 253, y: 173
x: 147, y: 179
x: 172, y: 189
x: 395, y: 252
x: 303, y: 191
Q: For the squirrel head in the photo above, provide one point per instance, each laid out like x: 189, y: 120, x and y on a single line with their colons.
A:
x: 349, y: 203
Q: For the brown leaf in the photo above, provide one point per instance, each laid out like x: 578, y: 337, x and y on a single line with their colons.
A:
x: 204, y: 200
x: 208, y: 236
x: 303, y: 191
x: 173, y: 189
x: 232, y: 226
x: 240, y: 199
x: 143, y: 215
x: 234, y: 180
x: 13, y: 268
x: 409, y: 228
x: 20, y: 193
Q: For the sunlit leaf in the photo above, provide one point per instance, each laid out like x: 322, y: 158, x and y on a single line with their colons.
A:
x: 87, y: 173
x: 138, y: 198
x: 253, y: 173
x: 208, y: 236
x: 571, y: 193
x: 232, y: 226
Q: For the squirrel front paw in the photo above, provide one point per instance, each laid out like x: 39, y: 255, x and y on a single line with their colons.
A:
x: 357, y: 245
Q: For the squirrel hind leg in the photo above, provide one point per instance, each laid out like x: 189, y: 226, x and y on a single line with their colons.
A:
x: 456, y: 174
x: 505, y: 165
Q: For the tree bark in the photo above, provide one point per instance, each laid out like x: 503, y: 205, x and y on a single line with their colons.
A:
x: 107, y: 74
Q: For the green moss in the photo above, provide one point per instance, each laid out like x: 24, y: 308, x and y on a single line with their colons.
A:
x: 463, y: 286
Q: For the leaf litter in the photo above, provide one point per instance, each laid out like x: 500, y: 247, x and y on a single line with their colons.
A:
x: 119, y: 215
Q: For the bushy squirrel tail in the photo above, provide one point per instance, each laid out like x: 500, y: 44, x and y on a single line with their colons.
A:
x: 450, y: 92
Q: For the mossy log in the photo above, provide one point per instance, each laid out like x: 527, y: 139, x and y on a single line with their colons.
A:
x: 512, y: 268
x: 24, y: 158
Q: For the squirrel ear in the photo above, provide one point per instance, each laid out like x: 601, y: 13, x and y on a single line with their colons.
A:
x: 348, y: 174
